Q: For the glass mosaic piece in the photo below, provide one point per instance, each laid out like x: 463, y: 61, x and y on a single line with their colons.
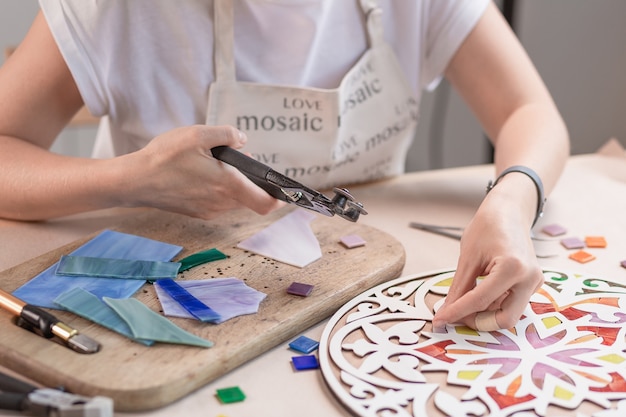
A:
x: 298, y: 288
x: 595, y: 241
x: 352, y: 241
x: 289, y: 240
x: 148, y: 325
x: 554, y: 230
x: 305, y: 362
x: 623, y: 263
x: 229, y: 297
x: 572, y: 243
x: 199, y: 258
x: 378, y: 353
x: 45, y: 287
x: 194, y: 306
x: 230, y: 395
x: 582, y: 256
x: 90, y: 307
x: 87, y: 266
x: 304, y: 344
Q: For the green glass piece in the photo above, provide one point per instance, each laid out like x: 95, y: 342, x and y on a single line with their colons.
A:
x: 200, y: 258
x: 87, y: 266
x: 88, y: 306
x: 230, y: 395
x: 146, y: 324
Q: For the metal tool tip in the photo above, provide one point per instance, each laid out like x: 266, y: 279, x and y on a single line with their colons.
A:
x: 83, y: 344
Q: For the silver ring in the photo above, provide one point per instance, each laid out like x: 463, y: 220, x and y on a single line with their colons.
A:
x: 485, y: 321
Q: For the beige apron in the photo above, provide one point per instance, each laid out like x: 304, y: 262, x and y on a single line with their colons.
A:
x: 322, y: 138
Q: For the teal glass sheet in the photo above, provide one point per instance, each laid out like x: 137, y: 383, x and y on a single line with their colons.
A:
x: 45, y: 287
x: 90, y: 307
x: 88, y: 266
x: 147, y: 325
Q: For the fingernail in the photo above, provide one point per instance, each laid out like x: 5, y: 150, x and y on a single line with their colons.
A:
x: 439, y: 326
x: 242, y: 137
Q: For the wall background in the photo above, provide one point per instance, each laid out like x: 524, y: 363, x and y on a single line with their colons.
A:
x: 578, y: 46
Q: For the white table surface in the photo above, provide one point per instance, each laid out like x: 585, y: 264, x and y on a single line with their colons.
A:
x: 590, y: 199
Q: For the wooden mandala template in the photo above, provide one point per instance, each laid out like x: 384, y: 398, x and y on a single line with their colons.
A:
x: 379, y: 356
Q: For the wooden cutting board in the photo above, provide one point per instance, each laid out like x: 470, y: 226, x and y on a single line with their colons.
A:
x: 137, y: 377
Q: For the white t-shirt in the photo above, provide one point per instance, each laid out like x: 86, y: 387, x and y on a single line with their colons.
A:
x: 148, y: 64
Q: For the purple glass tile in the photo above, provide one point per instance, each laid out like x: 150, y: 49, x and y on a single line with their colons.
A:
x: 554, y: 230
x: 297, y: 288
x: 352, y: 241
x: 623, y: 263
x: 305, y: 362
x: 572, y: 243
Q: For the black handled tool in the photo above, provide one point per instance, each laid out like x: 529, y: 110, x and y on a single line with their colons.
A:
x: 46, y: 325
x: 21, y: 396
x: 284, y: 188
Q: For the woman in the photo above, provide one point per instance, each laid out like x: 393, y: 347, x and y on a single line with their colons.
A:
x: 324, y: 91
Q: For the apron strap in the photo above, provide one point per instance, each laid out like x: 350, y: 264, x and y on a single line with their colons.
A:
x: 373, y: 16
x: 223, y: 38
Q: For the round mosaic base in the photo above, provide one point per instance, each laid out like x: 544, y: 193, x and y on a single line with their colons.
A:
x: 380, y: 357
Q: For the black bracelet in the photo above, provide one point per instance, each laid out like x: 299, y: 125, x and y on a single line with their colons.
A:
x: 541, y: 199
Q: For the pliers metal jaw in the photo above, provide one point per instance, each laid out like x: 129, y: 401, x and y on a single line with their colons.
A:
x: 21, y: 396
x: 54, y: 403
x: 286, y: 189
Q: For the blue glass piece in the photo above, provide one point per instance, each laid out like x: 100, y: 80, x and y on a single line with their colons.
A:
x: 90, y: 307
x: 148, y: 325
x: 45, y: 287
x: 302, y: 363
x: 304, y: 344
x: 190, y: 303
x: 88, y: 266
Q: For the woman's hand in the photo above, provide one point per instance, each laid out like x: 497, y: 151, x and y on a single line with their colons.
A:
x: 177, y: 172
x: 497, y: 246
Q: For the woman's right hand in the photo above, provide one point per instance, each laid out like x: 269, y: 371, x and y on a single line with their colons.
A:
x: 176, y: 172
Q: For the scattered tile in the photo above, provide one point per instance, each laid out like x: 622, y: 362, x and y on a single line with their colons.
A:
x: 194, y: 306
x: 298, y: 288
x: 301, y: 363
x: 352, y: 241
x: 200, y: 258
x: 128, y: 317
x: 554, y: 230
x: 595, y: 241
x: 89, y: 266
x: 623, y: 263
x: 289, y: 240
x: 572, y: 243
x: 230, y: 395
x: 45, y: 287
x: 145, y: 324
x: 304, y: 344
x: 90, y: 307
x: 582, y: 256
x: 229, y: 297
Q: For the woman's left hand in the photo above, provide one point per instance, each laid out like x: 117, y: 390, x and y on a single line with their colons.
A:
x: 497, y: 247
